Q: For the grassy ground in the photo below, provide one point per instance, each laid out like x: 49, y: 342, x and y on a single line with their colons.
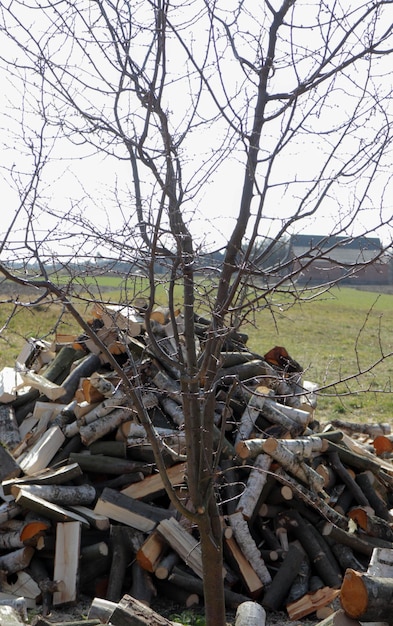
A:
x: 336, y: 336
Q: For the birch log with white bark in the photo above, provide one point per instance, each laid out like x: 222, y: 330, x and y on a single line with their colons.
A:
x: 255, y: 483
x: 249, y: 547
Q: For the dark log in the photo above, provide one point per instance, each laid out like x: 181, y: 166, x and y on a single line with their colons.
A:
x: 345, y: 556
x: 109, y: 448
x: 9, y: 468
x: 316, y: 548
x: 64, y: 495
x: 73, y: 444
x: 376, y: 502
x: 120, y: 559
x: 300, y: 585
x: 373, y: 526
x: 283, y: 579
x: 368, y: 598
x: 232, y: 485
x: 177, y: 594
x: 142, y: 587
x: 195, y: 585
x: 106, y: 464
x: 346, y: 478
x: 85, y: 368
x: 362, y: 544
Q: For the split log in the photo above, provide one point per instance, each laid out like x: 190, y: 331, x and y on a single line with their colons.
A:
x: 131, y: 612
x: 236, y: 558
x: 282, y: 581
x: 311, y: 602
x: 43, y: 385
x: 338, y: 618
x: 22, y: 584
x: 186, y: 546
x: 94, y: 519
x: 43, y: 451
x: 101, y: 609
x: 151, y: 551
x: 153, y: 485
x: 47, y: 476
x: 367, y: 598
x: 248, y: 547
x: 250, y: 614
x: 129, y: 511
x: 66, y: 564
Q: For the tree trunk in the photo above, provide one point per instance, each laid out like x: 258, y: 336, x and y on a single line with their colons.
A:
x: 210, y: 534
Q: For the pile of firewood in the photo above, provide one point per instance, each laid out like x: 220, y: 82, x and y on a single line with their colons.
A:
x: 305, y: 509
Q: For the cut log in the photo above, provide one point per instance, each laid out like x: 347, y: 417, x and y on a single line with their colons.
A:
x: 250, y: 614
x: 66, y: 565
x: 165, y: 566
x: 368, y: 484
x: 95, y: 520
x: 178, y: 595
x: 373, y: 526
x: 43, y: 385
x: 103, y: 425
x: 85, y: 367
x: 17, y: 560
x: 131, y: 612
x: 346, y: 478
x: 358, y: 543
x: 101, y: 609
x: 367, y: 598
x: 8, y: 511
x: 249, y: 417
x: 129, y: 511
x: 381, y: 563
x: 22, y: 584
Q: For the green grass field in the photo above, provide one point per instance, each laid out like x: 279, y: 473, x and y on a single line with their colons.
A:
x: 335, y: 337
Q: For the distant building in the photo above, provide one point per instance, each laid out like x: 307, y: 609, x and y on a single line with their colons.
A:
x: 321, y: 259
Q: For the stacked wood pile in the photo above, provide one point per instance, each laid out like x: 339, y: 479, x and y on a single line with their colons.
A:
x: 305, y: 508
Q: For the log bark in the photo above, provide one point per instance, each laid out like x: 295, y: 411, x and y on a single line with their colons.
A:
x: 373, y: 526
x: 250, y: 614
x: 184, y: 544
x: 367, y: 598
x: 142, y: 587
x: 103, y: 425
x: 63, y: 495
x: 45, y: 477
x: 369, y: 490
x: 340, y: 470
x: 195, y: 585
x: 338, y: 618
x: 17, y: 560
x: 9, y: 431
x: 256, y: 481
x: 47, y: 509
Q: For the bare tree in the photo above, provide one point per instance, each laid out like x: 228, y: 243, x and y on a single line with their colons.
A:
x: 120, y: 116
